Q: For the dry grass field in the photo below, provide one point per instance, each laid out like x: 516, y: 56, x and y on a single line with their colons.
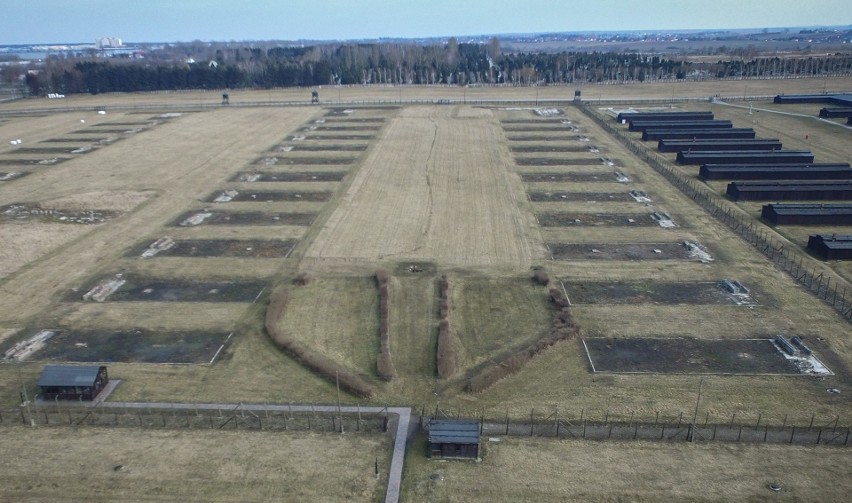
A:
x: 105, y: 464
x: 439, y: 187
x: 436, y: 187
x: 522, y: 469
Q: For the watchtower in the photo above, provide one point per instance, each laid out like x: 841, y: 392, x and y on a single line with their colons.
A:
x: 225, y: 99
x: 577, y: 95
x: 314, y: 96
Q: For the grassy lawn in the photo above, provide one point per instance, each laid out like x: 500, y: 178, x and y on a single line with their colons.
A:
x: 105, y: 464
x: 339, y: 317
x: 543, y: 470
x: 490, y: 316
x: 413, y: 324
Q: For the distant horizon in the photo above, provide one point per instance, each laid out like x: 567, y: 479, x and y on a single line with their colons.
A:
x: 462, y: 36
x: 46, y: 22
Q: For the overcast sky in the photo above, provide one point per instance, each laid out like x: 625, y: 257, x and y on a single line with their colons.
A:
x: 55, y: 21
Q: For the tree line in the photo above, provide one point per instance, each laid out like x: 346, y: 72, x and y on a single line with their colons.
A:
x: 451, y: 63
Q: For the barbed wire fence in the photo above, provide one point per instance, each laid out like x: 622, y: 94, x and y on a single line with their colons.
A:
x: 799, y: 429
x: 820, y: 283
x: 234, y: 418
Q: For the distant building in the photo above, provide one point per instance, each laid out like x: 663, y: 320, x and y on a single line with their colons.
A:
x: 108, y: 43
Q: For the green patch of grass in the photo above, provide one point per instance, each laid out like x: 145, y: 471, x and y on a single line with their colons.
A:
x: 413, y: 324
x: 338, y: 317
x: 490, y: 316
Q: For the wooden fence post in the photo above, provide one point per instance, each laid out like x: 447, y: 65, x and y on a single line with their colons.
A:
x: 557, y: 422
x: 507, y: 421
x: 532, y: 420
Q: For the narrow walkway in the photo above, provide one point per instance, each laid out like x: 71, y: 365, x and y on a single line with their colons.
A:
x: 399, y: 445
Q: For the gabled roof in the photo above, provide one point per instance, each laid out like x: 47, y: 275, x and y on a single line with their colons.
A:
x: 449, y: 431
x: 69, y: 375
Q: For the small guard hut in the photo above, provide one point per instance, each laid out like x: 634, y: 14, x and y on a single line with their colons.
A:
x: 453, y: 438
x: 72, y: 382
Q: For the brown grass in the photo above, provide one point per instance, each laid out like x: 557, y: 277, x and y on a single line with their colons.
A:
x: 544, y: 470
x: 434, y: 188
x: 178, y: 161
x: 105, y: 464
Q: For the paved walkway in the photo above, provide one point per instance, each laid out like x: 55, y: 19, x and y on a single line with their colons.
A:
x: 399, y: 445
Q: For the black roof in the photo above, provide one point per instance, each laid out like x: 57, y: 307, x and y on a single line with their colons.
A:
x: 810, y: 209
x: 69, y: 375
x: 453, y: 431
x: 834, y: 241
x: 812, y: 165
x: 842, y: 99
x: 777, y: 172
x: 775, y: 185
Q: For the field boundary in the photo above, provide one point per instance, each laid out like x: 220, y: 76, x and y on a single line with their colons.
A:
x: 557, y: 424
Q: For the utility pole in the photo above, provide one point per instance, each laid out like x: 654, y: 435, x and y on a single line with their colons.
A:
x: 25, y: 399
x: 695, y: 415
x: 339, y: 415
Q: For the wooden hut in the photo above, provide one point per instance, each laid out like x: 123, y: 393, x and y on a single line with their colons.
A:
x: 663, y: 116
x: 696, y: 134
x: 718, y: 144
x: 831, y: 246
x: 807, y: 214
x: 746, y: 157
x: 697, y: 124
x: 72, y: 382
x: 453, y: 438
x: 818, y: 171
x: 830, y: 113
x: 791, y: 190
